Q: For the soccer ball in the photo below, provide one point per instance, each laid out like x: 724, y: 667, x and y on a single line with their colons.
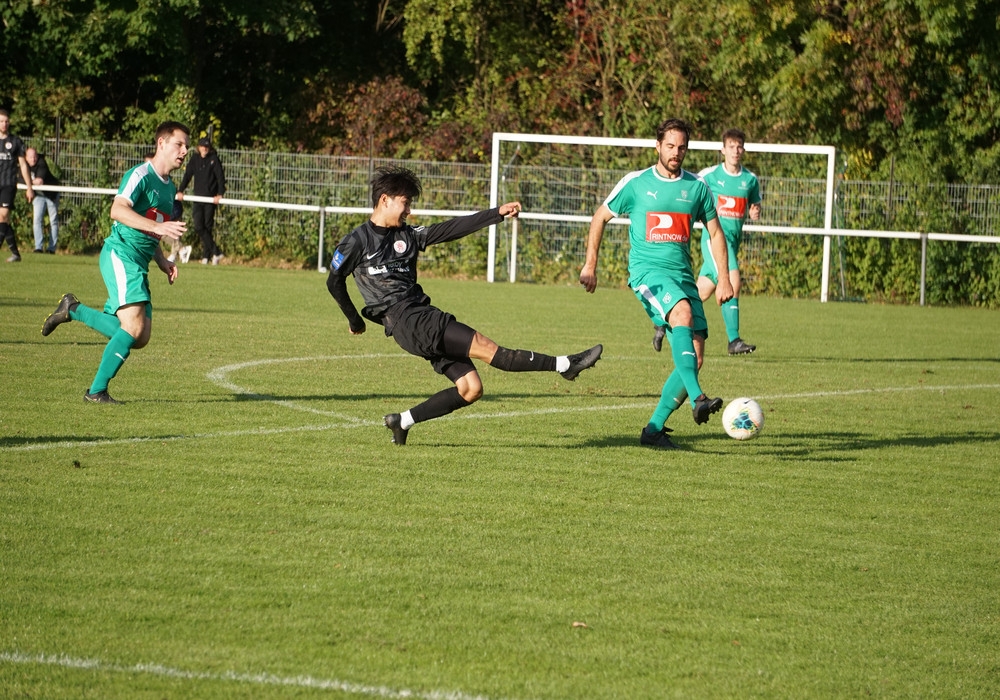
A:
x: 743, y: 419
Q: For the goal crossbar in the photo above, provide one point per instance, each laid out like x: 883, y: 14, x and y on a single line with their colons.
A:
x: 829, y: 152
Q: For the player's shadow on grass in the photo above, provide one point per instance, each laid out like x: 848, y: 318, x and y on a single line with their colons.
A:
x: 827, y: 446
x: 24, y: 441
x: 98, y: 341
x: 811, y: 446
x: 872, y: 360
x: 416, y: 397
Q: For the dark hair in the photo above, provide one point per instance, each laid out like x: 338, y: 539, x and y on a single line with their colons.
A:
x: 735, y: 134
x: 673, y: 124
x: 5, y: 113
x: 168, y: 128
x: 394, y: 181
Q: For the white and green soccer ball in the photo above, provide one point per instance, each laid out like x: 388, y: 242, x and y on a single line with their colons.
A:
x: 743, y: 419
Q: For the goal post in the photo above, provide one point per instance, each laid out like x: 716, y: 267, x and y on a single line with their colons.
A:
x: 506, y: 167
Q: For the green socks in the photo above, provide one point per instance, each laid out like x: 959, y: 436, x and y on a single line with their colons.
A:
x: 671, y: 398
x: 105, y: 324
x: 685, y: 360
x: 115, y: 354
x: 731, y: 317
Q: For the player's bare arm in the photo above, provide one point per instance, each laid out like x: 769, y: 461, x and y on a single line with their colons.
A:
x: 720, y: 252
x: 755, y: 212
x: 122, y: 212
x: 588, y: 275
x: 167, y: 267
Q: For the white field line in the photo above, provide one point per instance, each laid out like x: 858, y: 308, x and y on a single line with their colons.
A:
x: 64, y: 661
x: 220, y: 377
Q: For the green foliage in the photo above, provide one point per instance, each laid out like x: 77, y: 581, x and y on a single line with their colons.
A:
x: 915, y: 79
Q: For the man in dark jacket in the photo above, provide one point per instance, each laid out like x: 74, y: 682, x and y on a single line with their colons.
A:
x: 209, y: 181
x: 45, y: 201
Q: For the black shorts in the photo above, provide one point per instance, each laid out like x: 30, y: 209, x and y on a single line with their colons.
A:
x: 7, y: 195
x: 420, y: 330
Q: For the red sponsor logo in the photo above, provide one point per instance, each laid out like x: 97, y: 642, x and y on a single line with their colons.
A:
x: 154, y: 214
x: 664, y: 227
x: 731, y: 207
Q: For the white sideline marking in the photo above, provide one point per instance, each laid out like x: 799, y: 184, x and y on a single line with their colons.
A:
x: 255, y: 678
x: 220, y: 377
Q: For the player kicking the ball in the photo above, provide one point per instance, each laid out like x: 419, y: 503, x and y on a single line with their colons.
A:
x: 382, y: 255
x: 663, y: 203
x: 141, y: 213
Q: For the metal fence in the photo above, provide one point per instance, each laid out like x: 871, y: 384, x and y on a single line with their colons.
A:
x: 317, y: 181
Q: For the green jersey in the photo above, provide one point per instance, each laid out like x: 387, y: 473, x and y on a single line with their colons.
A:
x: 733, y: 196
x: 663, y: 212
x: 151, y: 196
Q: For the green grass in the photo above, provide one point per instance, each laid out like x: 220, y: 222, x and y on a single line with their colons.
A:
x: 243, y: 527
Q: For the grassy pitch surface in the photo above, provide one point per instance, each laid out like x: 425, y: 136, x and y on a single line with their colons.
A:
x: 242, y: 526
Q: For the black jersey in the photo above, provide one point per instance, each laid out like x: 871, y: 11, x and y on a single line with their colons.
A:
x: 384, y: 264
x: 11, y: 150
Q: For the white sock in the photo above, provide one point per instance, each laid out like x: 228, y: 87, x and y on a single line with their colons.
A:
x: 562, y: 363
x: 406, y: 420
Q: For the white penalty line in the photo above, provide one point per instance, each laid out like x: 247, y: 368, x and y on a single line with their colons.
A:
x: 359, y: 423
x: 64, y: 661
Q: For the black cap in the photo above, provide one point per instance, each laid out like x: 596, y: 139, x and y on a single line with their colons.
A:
x: 205, y: 141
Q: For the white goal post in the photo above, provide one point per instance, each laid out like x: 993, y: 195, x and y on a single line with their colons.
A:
x: 495, y: 180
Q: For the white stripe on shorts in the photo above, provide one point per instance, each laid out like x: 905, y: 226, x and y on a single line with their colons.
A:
x: 648, y: 295
x: 121, y: 280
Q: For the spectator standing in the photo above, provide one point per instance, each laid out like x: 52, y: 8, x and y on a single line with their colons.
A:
x: 11, y: 162
x: 209, y: 181
x: 45, y: 202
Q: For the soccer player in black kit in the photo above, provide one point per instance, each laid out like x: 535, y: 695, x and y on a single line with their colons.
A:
x: 12, y: 163
x: 382, y: 256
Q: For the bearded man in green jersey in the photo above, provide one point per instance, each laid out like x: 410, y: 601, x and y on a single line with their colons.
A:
x: 737, y: 193
x: 663, y: 203
x: 141, y: 214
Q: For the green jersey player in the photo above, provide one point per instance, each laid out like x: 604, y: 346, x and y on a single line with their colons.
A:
x: 663, y: 203
x: 737, y: 197
x: 141, y: 213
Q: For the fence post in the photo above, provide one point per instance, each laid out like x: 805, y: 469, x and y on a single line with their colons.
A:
x: 923, y: 266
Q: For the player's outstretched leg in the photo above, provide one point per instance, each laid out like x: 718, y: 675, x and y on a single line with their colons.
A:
x: 568, y: 366
x: 70, y: 309
x: 581, y: 361
x: 61, y: 315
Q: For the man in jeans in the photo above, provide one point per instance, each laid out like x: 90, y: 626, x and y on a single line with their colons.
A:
x: 44, y: 202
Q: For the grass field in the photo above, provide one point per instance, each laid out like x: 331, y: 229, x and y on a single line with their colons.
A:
x: 243, y: 527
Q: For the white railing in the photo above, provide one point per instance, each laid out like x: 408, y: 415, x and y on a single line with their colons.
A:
x: 323, y: 211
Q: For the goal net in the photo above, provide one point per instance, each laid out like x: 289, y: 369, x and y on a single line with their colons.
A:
x: 561, y: 180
